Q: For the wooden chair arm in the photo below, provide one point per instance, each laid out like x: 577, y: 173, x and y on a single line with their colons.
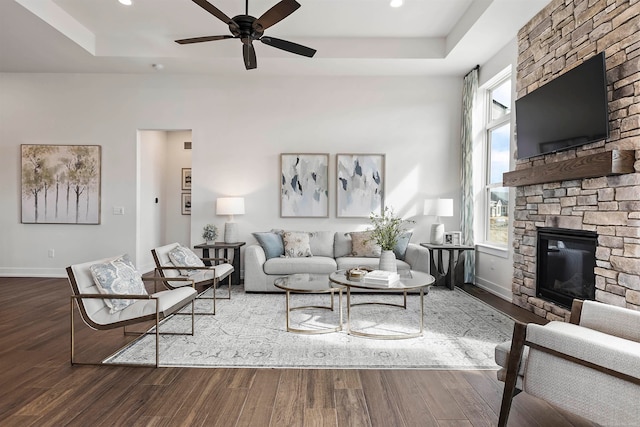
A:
x: 226, y: 260
x: 112, y: 296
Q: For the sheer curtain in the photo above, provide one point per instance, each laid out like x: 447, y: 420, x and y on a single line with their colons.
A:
x: 469, y: 90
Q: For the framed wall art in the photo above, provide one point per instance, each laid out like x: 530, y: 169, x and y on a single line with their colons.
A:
x: 186, y: 178
x: 304, y: 185
x: 360, y: 184
x: 60, y: 184
x: 186, y: 203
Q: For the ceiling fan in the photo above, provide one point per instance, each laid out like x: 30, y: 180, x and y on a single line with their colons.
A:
x: 248, y: 28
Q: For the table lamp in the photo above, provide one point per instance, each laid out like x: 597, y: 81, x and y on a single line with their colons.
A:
x: 438, y: 208
x: 230, y: 206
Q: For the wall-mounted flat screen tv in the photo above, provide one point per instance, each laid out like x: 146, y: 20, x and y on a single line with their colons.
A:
x: 569, y: 111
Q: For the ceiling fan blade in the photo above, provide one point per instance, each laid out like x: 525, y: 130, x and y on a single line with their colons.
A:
x: 288, y: 46
x: 249, y: 54
x: 276, y: 14
x: 202, y: 39
x: 216, y: 12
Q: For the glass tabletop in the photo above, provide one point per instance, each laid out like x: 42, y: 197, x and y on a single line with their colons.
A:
x: 305, y: 283
x: 409, y: 279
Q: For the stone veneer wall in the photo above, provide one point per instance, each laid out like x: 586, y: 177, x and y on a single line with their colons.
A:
x: 559, y: 38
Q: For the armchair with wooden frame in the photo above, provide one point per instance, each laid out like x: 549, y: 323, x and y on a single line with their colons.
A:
x: 207, y: 277
x: 95, y: 312
x: 589, y: 366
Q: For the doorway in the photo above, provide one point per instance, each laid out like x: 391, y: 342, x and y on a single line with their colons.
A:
x: 163, y: 192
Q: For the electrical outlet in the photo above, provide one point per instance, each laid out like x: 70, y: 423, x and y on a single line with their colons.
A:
x: 52, y: 253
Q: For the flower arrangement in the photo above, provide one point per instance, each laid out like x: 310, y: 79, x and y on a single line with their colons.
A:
x: 387, y: 228
x: 210, y: 232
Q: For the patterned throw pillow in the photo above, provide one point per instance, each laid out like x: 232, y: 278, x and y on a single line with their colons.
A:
x: 185, y: 257
x: 118, y: 277
x: 362, y: 245
x: 296, y: 244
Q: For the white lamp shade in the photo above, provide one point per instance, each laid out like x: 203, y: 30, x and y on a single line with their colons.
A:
x: 230, y: 206
x: 438, y: 207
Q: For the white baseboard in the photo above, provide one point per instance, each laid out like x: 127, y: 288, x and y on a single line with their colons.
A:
x: 33, y: 272
x: 494, y: 288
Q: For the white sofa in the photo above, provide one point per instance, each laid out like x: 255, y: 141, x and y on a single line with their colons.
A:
x: 331, y: 251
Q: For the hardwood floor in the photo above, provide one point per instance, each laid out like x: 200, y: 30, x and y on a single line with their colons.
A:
x: 40, y: 388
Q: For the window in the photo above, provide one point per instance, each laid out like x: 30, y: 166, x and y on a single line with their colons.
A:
x: 497, y: 155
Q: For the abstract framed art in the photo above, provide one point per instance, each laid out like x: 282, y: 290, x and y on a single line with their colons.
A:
x: 304, y: 185
x: 60, y: 184
x: 360, y: 185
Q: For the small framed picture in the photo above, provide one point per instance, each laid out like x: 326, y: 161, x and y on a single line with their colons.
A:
x: 186, y: 178
x: 186, y: 203
x: 452, y: 238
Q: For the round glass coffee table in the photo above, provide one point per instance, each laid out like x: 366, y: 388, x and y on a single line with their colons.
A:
x: 409, y: 281
x: 309, y: 284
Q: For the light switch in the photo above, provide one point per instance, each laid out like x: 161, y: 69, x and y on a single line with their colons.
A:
x: 118, y: 210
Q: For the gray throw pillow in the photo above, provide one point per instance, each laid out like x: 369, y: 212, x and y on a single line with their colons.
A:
x: 118, y: 277
x: 401, y: 246
x: 271, y: 243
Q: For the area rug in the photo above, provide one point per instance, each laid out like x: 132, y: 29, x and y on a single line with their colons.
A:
x: 461, y: 332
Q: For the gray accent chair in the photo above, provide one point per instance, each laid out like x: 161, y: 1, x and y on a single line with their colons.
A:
x: 589, y: 366
x: 96, y: 314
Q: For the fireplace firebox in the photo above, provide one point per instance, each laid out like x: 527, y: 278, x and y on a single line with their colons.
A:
x: 565, y: 265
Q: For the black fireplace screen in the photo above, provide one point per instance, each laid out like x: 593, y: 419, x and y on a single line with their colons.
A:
x: 565, y: 265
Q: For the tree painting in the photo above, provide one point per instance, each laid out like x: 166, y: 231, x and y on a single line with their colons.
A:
x: 61, y: 184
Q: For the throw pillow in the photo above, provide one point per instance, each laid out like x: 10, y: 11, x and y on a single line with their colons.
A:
x: 271, y: 243
x: 362, y: 245
x: 185, y: 257
x: 296, y: 244
x: 118, y: 277
x: 401, y: 246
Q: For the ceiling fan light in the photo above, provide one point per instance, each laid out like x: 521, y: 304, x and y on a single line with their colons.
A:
x: 396, y: 3
x: 125, y: 2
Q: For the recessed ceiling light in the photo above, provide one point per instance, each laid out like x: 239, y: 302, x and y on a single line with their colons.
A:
x: 125, y: 2
x: 396, y: 3
x: 157, y: 67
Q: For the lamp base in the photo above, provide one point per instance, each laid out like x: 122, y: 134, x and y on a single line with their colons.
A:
x: 230, y: 232
x: 437, y: 234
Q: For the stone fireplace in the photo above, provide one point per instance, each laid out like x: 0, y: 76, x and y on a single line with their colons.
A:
x: 560, y: 37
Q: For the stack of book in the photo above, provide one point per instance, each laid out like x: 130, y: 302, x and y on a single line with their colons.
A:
x: 380, y: 277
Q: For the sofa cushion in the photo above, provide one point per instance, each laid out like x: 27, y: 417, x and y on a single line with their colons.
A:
x: 296, y: 244
x: 341, y: 244
x: 118, y: 277
x: 401, y: 246
x: 347, y: 262
x: 312, y: 265
x: 271, y: 243
x: 362, y: 244
x: 321, y: 243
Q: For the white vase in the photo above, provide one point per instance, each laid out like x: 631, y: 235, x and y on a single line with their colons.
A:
x: 388, y: 261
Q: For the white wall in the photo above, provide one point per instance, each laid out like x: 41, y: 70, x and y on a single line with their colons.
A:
x: 494, y: 268
x: 239, y: 126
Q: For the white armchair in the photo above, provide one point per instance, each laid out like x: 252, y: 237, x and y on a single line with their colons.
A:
x: 202, y: 275
x: 98, y: 309
x: 590, y: 366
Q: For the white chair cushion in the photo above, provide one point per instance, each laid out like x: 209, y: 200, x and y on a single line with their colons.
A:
x: 612, y: 320
x: 167, y: 300
x: 118, y: 277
